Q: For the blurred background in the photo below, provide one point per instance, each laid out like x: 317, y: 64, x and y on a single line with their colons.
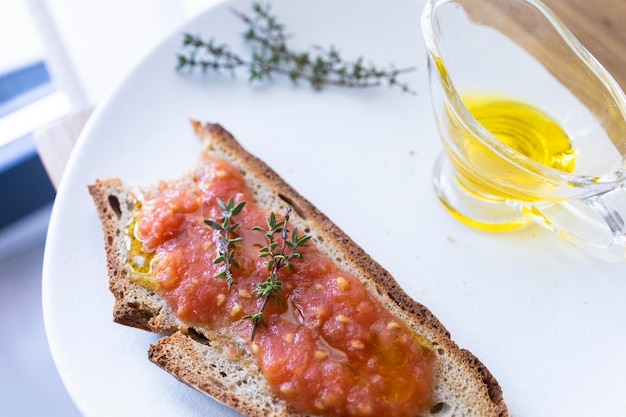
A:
x: 61, y: 58
x: 57, y: 58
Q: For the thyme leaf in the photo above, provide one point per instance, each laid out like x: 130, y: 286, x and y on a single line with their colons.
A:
x: 280, y: 255
x: 225, y: 252
x: 271, y: 54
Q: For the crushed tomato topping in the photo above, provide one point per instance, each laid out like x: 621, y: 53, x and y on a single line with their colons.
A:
x: 330, y: 348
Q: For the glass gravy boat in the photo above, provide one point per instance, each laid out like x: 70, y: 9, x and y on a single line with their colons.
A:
x: 533, y: 127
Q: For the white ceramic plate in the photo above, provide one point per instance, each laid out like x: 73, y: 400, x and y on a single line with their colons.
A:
x: 545, y: 319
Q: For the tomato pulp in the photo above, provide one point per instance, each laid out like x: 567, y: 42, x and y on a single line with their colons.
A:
x: 328, y: 348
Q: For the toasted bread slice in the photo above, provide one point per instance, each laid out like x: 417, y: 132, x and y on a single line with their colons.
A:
x: 217, y: 361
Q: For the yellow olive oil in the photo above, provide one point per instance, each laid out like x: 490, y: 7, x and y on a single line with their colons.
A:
x: 486, y: 175
x: 139, y: 262
x: 524, y: 128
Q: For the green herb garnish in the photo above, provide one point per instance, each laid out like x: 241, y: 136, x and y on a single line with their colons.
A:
x: 225, y: 253
x: 271, y: 54
x: 280, y: 255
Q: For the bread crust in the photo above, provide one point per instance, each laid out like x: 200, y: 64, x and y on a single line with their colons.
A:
x: 215, y: 361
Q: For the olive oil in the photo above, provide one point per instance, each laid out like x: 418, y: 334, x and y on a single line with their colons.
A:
x: 489, y: 179
x: 139, y: 262
x: 523, y: 128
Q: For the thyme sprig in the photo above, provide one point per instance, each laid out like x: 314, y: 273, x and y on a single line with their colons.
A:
x: 271, y: 54
x: 280, y: 255
x: 225, y: 252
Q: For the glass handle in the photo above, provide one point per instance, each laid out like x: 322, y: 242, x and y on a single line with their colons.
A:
x: 596, y: 224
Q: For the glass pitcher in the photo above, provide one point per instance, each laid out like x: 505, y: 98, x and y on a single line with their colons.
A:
x: 533, y: 127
